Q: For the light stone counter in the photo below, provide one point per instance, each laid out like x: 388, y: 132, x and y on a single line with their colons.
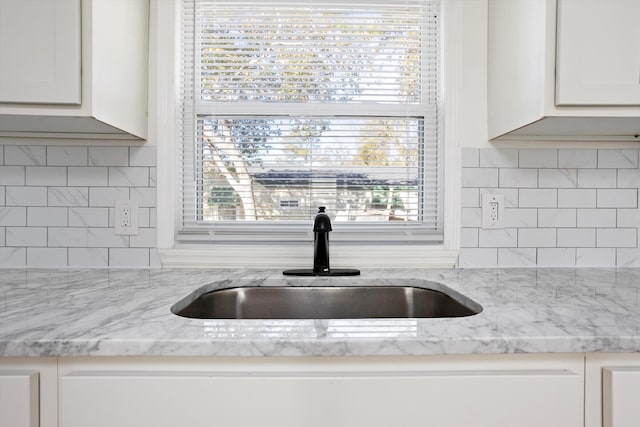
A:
x: 75, y: 312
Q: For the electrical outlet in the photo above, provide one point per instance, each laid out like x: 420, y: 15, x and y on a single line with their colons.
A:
x: 126, y: 220
x: 493, y: 211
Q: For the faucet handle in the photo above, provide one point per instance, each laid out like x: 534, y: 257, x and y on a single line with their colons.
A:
x: 322, y: 221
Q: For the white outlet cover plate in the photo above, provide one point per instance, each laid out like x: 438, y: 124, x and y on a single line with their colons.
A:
x: 132, y: 205
x: 487, y: 221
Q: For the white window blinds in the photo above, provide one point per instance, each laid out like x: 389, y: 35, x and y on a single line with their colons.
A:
x: 291, y: 105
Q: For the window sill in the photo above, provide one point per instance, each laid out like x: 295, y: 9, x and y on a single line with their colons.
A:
x: 262, y: 255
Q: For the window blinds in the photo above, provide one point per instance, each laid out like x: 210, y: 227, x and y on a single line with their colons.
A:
x: 291, y: 105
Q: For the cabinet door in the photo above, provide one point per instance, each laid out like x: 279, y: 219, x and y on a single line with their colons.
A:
x: 598, y: 52
x: 620, y: 390
x: 372, y: 399
x: 19, y: 401
x: 40, y: 51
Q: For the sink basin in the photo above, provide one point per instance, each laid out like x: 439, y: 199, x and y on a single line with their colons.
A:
x: 324, y: 302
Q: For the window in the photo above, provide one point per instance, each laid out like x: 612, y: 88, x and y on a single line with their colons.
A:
x: 291, y: 105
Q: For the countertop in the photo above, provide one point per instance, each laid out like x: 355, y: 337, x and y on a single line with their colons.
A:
x: 126, y: 312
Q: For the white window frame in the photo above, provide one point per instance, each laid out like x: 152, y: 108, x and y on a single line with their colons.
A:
x: 164, y: 100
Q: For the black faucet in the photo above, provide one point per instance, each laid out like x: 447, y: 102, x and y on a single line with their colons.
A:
x: 321, y: 229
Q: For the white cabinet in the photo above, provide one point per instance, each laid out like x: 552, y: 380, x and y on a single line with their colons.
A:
x: 28, y: 392
x: 598, y: 81
x: 19, y: 404
x: 40, y: 62
x: 612, y: 387
x: 74, y: 68
x: 598, y: 52
x: 478, y: 391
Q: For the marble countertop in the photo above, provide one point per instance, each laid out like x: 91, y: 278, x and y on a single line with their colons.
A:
x: 126, y: 312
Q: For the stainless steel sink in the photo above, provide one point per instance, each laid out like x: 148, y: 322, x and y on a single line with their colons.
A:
x: 324, y: 302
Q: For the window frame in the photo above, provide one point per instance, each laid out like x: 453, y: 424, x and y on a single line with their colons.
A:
x: 165, y: 60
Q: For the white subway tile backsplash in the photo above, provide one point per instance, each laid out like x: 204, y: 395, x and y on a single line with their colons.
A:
x: 142, y: 156
x: 558, y: 178
x: 47, y: 217
x: 13, y: 216
x: 538, y: 198
x: 470, y: 157
x: 128, y: 177
x: 597, y: 178
x: 146, y: 238
x: 89, y: 257
x: 146, y: 197
x: 55, y: 203
x: 480, y: 177
x: 538, y: 158
x: 628, y: 218
x: 580, y: 158
x: 619, y: 159
x: 47, y: 257
x: 499, y: 158
x: 105, y: 237
x: 108, y: 156
x: 576, y: 237
x: 597, y: 218
x: 478, y: 257
x: 470, y: 197
x: 88, y: 217
x: 556, y: 218
x: 618, y: 198
x: 154, y: 258
x: 557, y: 257
x: 25, y: 155
x: 517, y: 257
x: 471, y: 217
x: 628, y: 178
x: 12, y: 175
x: 13, y: 257
x: 26, y: 196
x: 500, y: 238
x: 617, y: 238
x: 105, y: 197
x: 510, y: 195
x: 68, y: 196
x: 578, y: 198
x: 536, y: 237
x: 153, y: 214
x: 88, y: 176
x: 67, y: 237
x: 66, y: 156
x: 518, y: 178
x: 26, y: 236
x: 595, y: 257
x: 520, y: 218
x: 469, y: 237
x: 628, y: 257
x: 128, y: 257
x: 42, y: 175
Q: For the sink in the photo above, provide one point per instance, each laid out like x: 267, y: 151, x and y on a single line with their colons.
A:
x: 324, y: 302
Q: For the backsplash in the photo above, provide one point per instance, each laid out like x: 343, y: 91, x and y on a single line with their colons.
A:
x: 563, y: 207
x: 57, y: 205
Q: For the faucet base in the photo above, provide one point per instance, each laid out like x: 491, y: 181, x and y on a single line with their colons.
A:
x: 332, y: 272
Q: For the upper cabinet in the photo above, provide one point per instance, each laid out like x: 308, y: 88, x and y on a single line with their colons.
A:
x: 74, y: 68
x: 40, y: 62
x: 564, y: 69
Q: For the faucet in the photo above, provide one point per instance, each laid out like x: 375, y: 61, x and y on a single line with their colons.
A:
x: 321, y: 229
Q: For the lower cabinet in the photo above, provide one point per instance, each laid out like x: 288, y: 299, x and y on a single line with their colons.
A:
x: 455, y: 391
x: 28, y: 392
x: 612, y: 389
x: 19, y: 403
